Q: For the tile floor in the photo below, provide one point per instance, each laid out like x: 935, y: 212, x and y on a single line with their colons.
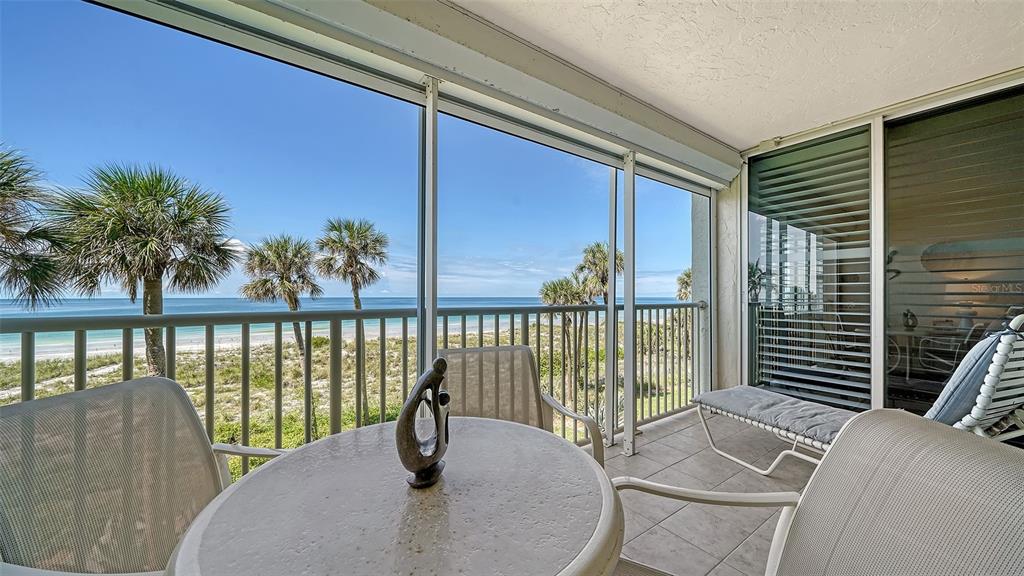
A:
x: 698, y: 539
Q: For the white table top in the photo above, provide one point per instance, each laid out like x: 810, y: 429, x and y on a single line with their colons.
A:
x: 513, y: 500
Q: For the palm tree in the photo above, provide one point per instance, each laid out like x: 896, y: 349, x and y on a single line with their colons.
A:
x: 280, y: 267
x: 137, y: 225
x: 755, y: 280
x: 568, y: 291
x: 29, y: 270
x: 594, y: 269
x: 684, y: 285
x: 350, y: 250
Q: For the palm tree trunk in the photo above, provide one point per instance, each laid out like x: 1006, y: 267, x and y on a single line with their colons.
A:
x: 153, y: 303
x: 298, y: 338
x: 297, y: 330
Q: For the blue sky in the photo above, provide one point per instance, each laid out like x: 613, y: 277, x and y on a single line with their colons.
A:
x: 82, y: 86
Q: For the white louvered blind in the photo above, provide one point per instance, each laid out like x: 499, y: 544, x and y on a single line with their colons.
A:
x: 809, y: 270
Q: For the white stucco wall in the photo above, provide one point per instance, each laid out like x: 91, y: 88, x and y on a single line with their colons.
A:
x: 728, y: 293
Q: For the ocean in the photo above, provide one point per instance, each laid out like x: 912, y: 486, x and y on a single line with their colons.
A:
x: 60, y: 344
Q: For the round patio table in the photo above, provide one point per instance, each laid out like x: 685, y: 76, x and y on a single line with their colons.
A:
x: 513, y: 500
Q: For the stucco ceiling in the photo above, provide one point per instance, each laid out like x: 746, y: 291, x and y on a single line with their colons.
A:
x: 748, y: 71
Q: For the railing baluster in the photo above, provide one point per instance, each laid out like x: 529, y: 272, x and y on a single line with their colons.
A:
x: 383, y: 370
x: 511, y: 328
x: 307, y: 383
x: 480, y: 365
x: 564, y: 361
x: 551, y: 354
x: 171, y: 351
x: 497, y: 334
x: 537, y: 338
x: 245, y: 394
x: 586, y: 368
x: 209, y: 381
x: 524, y: 329
x: 597, y: 370
x: 688, y: 356
x: 662, y: 362
x: 360, y: 371
x: 649, y: 378
x: 462, y: 330
x: 278, y: 384
x: 497, y: 364
x: 334, y: 375
x: 81, y: 365
x: 638, y: 341
x: 670, y: 352
x: 127, y: 354
x: 444, y: 331
x: 462, y: 392
x: 405, y: 354
x: 28, y: 366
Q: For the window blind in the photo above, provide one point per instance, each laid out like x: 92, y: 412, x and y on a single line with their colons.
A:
x: 809, y: 270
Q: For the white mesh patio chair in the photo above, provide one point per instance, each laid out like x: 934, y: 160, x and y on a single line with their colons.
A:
x: 502, y: 382
x: 105, y: 480
x: 897, y: 495
x: 985, y: 394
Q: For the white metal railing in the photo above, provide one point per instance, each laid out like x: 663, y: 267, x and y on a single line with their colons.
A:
x: 366, y: 373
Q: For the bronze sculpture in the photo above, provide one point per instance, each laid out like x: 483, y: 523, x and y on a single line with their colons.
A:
x: 422, y: 457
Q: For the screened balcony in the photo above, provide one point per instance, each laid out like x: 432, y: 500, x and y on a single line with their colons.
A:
x: 654, y: 202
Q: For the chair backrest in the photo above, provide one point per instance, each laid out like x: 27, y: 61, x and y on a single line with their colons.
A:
x: 899, y: 494
x: 498, y: 382
x: 102, y: 480
x: 1003, y: 390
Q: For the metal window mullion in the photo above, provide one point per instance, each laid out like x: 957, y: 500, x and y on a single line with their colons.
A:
x: 629, y: 297
x: 426, y: 321
x: 611, y: 318
x: 879, y: 350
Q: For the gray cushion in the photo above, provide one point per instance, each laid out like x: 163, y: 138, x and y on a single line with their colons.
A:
x: 960, y: 392
x: 808, y: 419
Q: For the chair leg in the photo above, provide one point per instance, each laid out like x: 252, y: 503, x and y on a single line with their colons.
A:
x: 791, y: 452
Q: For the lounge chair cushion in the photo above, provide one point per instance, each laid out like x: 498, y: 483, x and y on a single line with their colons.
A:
x: 960, y: 392
x: 814, y: 421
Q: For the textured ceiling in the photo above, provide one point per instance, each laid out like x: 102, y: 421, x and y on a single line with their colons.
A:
x: 745, y: 72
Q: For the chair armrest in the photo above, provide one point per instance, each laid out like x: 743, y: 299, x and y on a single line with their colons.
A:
x: 749, y: 499
x: 15, y: 570
x: 251, y: 451
x: 596, y: 440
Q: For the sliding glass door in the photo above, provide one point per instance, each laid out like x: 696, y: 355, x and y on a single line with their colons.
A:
x: 954, y: 216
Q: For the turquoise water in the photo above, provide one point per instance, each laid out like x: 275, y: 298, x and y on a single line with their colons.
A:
x: 50, y: 344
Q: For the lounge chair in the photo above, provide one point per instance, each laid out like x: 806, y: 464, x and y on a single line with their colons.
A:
x: 105, y: 480
x: 897, y: 495
x: 985, y: 395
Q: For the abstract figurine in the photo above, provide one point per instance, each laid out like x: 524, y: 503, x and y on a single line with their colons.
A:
x: 422, y: 457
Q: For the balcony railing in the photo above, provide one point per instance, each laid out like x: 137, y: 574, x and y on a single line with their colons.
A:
x: 260, y: 390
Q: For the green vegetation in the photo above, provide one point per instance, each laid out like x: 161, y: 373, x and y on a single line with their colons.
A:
x: 684, y: 285
x: 29, y: 272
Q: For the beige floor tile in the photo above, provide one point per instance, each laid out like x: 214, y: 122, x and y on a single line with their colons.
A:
x: 707, y: 465
x: 698, y: 526
x: 663, y: 550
